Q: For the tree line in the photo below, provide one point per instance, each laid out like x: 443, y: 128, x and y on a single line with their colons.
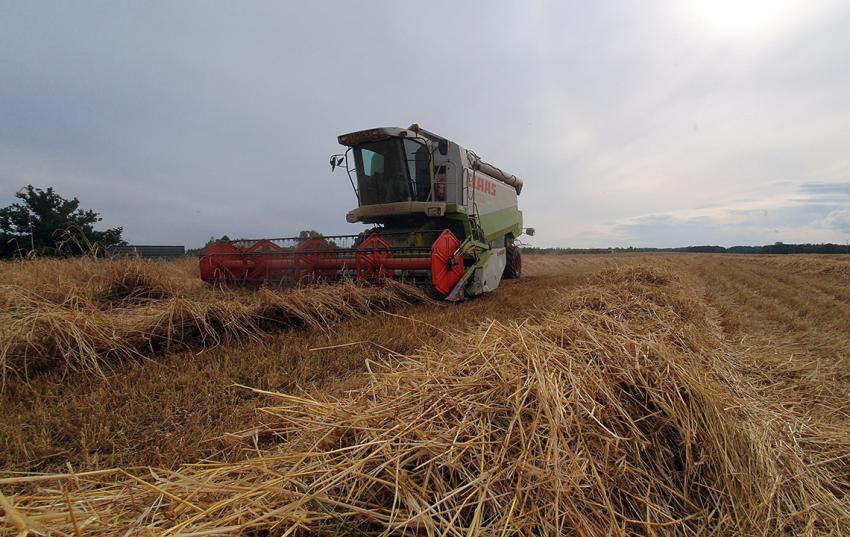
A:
x: 775, y: 248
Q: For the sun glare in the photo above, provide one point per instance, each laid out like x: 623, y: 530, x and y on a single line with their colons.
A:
x: 745, y: 17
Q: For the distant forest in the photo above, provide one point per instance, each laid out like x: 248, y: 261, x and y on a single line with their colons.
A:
x: 776, y: 248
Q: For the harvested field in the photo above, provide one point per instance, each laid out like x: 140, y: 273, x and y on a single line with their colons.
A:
x: 680, y: 394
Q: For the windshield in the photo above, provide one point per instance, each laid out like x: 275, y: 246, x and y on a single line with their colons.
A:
x: 392, y: 170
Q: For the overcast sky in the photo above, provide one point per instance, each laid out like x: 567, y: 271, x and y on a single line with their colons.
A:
x: 646, y: 123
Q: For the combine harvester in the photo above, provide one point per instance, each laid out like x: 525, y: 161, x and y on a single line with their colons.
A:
x: 441, y: 214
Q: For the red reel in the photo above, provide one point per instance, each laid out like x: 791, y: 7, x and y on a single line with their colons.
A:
x: 310, y: 258
x: 222, y: 262
x: 370, y: 257
x: 446, y: 262
x: 257, y: 258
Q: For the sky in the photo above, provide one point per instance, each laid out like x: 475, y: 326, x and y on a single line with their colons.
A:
x: 647, y: 124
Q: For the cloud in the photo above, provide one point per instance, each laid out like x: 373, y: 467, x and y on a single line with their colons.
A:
x: 825, y: 189
x: 819, y: 210
x: 839, y: 220
x: 185, y: 120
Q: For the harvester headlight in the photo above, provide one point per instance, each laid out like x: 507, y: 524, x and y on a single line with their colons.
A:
x: 434, y: 211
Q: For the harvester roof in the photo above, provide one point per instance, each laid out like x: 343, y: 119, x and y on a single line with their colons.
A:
x: 475, y: 162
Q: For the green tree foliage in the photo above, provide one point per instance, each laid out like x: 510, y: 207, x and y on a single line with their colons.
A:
x: 45, y: 223
x: 309, y: 234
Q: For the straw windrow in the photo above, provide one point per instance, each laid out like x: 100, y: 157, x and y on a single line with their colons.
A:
x: 94, y: 312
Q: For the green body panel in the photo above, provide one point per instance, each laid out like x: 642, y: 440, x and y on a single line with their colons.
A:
x: 493, y: 225
x: 500, y: 223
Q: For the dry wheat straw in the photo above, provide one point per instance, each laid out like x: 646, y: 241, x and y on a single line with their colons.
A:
x: 619, y: 412
x: 94, y: 312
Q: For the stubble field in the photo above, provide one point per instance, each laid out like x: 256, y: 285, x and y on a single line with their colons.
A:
x: 622, y: 395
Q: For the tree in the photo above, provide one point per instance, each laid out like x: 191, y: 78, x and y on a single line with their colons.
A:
x: 309, y: 234
x: 46, y: 223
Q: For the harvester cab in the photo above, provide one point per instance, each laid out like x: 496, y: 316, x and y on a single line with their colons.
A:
x: 440, y: 215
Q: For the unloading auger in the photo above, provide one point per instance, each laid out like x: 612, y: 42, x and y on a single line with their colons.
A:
x: 441, y: 216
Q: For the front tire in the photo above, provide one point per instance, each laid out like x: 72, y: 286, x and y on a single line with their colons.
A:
x: 513, y: 267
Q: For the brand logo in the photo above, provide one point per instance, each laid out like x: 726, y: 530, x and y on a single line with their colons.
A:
x: 480, y: 184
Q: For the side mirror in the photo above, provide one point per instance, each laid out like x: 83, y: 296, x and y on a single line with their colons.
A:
x: 443, y: 147
x: 336, y: 160
x: 333, y: 162
x: 529, y: 231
